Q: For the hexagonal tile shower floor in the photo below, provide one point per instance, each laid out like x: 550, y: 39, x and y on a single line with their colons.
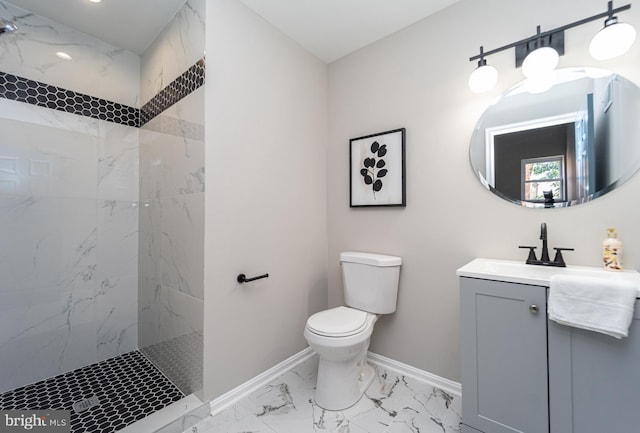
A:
x: 103, y: 397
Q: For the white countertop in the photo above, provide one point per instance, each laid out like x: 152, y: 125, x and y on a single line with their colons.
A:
x: 519, y: 272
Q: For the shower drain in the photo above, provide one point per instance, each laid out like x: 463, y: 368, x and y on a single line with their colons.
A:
x: 87, y: 403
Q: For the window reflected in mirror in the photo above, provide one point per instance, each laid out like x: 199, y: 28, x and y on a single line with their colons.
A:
x: 543, y: 179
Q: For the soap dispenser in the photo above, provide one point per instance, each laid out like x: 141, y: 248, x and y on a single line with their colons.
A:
x: 612, y: 251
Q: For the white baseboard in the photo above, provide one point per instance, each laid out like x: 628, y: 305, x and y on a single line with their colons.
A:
x: 230, y: 397
x: 446, y: 385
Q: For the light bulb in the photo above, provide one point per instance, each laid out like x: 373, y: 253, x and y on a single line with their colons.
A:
x: 540, y: 62
x: 483, y: 79
x: 613, y: 40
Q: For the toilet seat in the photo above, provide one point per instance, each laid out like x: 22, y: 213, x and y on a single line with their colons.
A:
x: 338, y: 322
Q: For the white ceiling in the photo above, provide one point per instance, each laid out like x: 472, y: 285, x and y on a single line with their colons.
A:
x: 129, y: 24
x: 330, y: 29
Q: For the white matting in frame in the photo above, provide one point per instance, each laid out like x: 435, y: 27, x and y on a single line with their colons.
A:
x: 377, y: 169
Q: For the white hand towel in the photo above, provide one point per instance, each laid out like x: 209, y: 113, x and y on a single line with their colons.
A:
x: 596, y: 304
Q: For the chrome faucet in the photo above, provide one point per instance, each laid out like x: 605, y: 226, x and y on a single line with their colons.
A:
x: 544, y: 257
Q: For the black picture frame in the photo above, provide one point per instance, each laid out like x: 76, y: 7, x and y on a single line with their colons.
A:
x: 377, y: 169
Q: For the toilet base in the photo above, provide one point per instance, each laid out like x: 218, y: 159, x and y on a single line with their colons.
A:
x: 366, y: 378
x: 341, y: 385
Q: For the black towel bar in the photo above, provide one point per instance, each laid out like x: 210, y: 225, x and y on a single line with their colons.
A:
x: 242, y: 278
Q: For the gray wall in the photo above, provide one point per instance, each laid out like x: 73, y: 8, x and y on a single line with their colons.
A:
x: 266, y: 195
x: 417, y: 78
x: 266, y: 134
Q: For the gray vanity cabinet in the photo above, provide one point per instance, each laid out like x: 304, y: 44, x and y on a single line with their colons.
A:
x: 594, y: 380
x: 504, y: 357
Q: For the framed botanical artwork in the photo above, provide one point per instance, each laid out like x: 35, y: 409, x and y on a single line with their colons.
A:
x: 377, y: 169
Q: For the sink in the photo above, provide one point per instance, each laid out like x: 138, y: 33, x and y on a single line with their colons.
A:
x: 518, y: 272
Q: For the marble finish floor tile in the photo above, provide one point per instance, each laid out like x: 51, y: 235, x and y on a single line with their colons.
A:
x: 394, y: 403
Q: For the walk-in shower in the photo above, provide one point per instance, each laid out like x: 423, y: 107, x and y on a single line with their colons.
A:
x: 101, y: 219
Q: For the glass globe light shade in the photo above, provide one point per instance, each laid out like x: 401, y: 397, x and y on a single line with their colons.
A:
x: 483, y: 79
x: 540, y: 62
x: 613, y: 40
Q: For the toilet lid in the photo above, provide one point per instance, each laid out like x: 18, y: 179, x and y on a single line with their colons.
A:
x: 338, y: 322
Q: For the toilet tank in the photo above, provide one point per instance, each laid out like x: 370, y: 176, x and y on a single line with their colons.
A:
x: 370, y: 281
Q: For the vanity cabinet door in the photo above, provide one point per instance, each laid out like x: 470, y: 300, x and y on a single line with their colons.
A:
x: 504, y: 357
x: 594, y: 380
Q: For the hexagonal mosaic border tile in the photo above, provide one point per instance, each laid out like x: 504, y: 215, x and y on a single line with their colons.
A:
x: 182, y: 86
x: 44, y: 95
x: 127, y: 387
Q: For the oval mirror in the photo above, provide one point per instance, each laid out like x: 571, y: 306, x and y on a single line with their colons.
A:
x: 566, y: 145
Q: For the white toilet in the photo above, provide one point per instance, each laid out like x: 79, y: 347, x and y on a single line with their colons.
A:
x: 341, y: 335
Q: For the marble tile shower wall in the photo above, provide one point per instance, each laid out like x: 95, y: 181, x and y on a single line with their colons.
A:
x: 171, y: 249
x: 68, y: 207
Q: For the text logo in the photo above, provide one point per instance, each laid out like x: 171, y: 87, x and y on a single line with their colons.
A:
x: 49, y: 421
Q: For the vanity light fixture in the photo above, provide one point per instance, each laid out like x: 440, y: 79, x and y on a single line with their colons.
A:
x: 541, y: 60
x: 613, y: 40
x: 538, y: 55
x: 484, y: 78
